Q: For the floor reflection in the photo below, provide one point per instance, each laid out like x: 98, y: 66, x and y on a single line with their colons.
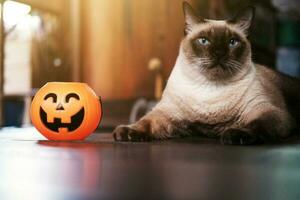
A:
x: 101, y: 169
x: 54, y: 170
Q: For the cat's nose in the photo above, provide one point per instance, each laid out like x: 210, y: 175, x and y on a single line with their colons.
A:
x: 220, y: 54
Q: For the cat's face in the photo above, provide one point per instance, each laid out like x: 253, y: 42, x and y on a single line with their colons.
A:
x: 217, y: 49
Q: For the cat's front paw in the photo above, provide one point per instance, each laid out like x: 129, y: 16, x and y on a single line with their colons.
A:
x: 126, y: 134
x: 239, y: 137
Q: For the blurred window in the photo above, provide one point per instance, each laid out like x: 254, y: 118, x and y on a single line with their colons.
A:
x: 18, y: 25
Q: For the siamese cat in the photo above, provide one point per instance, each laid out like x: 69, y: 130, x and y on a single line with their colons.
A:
x: 215, y: 89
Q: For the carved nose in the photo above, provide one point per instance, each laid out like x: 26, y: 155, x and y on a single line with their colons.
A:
x: 60, y: 107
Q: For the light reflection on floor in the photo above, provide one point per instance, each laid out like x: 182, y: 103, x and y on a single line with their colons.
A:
x: 98, y: 168
x: 41, y: 169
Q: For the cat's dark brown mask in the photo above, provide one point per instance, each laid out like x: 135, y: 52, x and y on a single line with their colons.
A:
x: 220, y: 48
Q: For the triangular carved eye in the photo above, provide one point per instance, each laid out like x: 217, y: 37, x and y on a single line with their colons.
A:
x: 72, y: 95
x: 51, y: 95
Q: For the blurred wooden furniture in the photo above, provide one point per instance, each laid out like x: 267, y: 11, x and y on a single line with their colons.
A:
x: 120, y: 37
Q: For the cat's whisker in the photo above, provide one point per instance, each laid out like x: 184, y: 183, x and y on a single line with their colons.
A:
x: 230, y: 71
x: 235, y: 62
x: 233, y: 67
x: 236, y: 69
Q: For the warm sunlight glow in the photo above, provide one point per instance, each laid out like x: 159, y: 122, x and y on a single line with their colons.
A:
x: 14, y: 11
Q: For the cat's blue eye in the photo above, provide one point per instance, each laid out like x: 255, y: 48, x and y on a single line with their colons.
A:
x: 203, y: 41
x: 233, y: 43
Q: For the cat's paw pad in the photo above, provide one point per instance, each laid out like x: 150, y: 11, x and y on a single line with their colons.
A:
x: 239, y: 137
x: 126, y: 134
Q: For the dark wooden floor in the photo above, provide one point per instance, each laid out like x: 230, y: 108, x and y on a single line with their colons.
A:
x: 33, y: 168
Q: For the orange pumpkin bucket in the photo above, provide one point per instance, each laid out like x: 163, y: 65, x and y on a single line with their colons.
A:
x: 65, y: 111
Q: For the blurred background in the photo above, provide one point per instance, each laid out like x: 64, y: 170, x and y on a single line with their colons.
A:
x: 124, y: 49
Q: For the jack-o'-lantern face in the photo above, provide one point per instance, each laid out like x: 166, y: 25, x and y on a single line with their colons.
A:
x: 65, y: 111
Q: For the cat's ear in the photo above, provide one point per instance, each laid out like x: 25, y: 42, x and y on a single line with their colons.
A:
x: 243, y: 19
x: 191, y: 19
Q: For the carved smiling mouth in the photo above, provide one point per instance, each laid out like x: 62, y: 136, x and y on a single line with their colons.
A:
x: 76, y: 121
